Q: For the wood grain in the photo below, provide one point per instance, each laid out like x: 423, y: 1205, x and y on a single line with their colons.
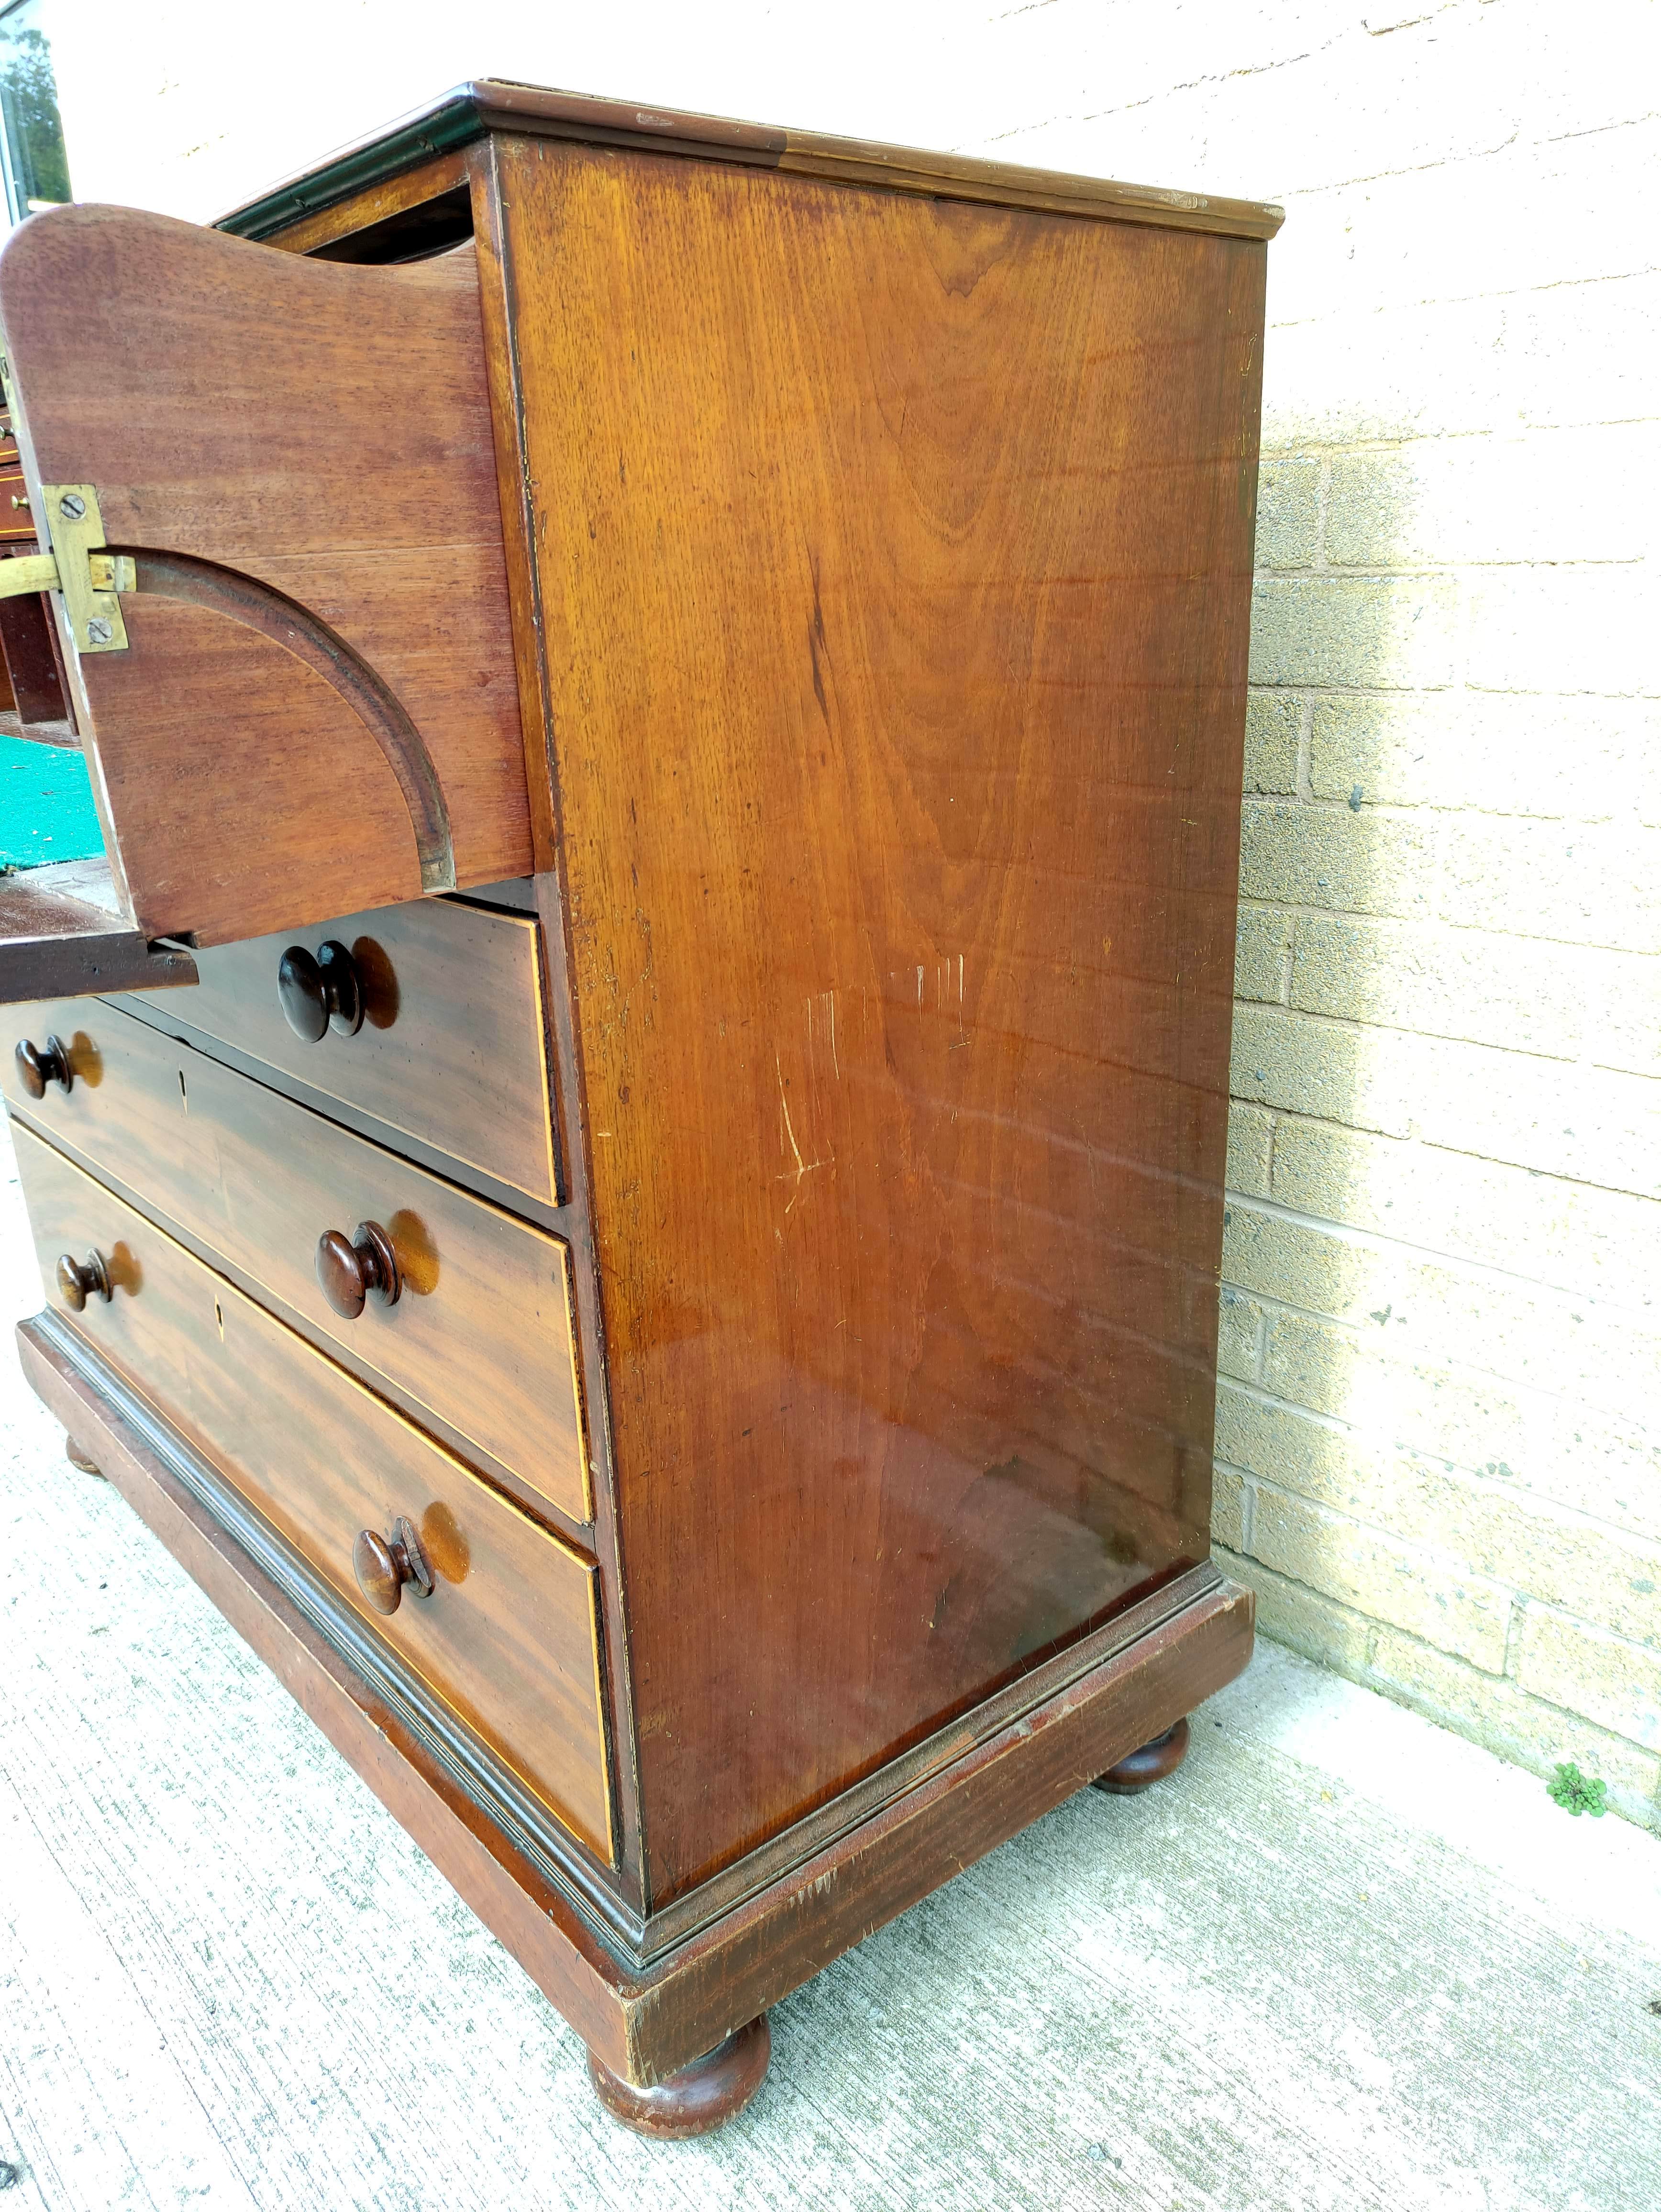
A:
x: 325, y: 430
x: 407, y: 194
x: 452, y: 1050
x: 482, y: 1334
x: 508, y: 1639
x: 895, y: 585
x: 59, y: 932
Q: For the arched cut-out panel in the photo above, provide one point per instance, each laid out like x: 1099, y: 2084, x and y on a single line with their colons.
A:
x: 226, y: 769
x: 321, y: 428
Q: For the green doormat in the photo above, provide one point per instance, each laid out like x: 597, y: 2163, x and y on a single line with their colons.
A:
x: 46, y: 812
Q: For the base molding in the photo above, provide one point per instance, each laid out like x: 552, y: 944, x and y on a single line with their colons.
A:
x: 645, y: 2020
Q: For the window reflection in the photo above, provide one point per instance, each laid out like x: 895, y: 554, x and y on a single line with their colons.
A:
x: 36, y: 171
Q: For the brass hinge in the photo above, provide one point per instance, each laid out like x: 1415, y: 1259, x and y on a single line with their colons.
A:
x: 90, y: 579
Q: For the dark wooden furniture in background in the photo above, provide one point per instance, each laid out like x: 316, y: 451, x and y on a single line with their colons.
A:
x: 652, y: 1239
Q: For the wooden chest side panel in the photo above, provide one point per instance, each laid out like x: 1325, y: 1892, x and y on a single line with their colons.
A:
x: 322, y: 429
x: 895, y: 563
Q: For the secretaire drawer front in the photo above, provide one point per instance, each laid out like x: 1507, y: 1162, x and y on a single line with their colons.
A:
x: 480, y: 1333
x: 507, y: 1637
x: 428, y: 1016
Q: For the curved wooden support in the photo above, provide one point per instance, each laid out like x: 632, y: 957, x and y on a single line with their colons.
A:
x: 701, y: 2096
x: 1145, y: 1766
x: 244, y: 600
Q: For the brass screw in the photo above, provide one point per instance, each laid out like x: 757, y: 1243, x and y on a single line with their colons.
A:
x: 99, y: 631
x: 72, y: 507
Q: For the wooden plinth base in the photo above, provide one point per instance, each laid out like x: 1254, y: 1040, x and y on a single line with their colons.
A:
x: 695, y: 1984
x: 702, y: 2096
x: 1149, y: 1764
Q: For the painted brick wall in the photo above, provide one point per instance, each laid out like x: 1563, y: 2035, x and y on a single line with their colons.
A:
x: 1437, y: 1429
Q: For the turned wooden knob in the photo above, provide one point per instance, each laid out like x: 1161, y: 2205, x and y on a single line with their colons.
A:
x: 366, y: 1268
x: 81, y: 1279
x: 315, y: 992
x: 386, y: 1565
x: 40, y: 1065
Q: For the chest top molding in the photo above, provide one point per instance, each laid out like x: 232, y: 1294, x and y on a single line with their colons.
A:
x: 489, y: 104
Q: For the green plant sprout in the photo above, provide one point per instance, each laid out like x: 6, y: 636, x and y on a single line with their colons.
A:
x: 1572, y: 1790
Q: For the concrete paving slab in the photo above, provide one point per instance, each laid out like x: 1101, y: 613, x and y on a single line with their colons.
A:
x: 1341, y: 1962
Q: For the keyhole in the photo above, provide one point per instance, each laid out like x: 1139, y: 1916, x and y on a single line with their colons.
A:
x: 183, y: 1098
x: 219, y: 1315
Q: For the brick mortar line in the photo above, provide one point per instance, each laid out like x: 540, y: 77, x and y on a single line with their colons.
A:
x: 1316, y: 449
x: 1381, y: 808
x: 1513, y: 1642
x: 1373, y: 572
x: 1474, y: 1044
x: 1410, y: 810
x: 1575, y: 426
x: 1375, y: 1677
x: 1514, y: 144
x: 1469, y: 299
x: 1452, y: 1151
x: 1360, y: 1022
x: 1457, y: 686
x: 1454, y: 689
x: 1512, y: 1493
x: 1501, y: 1585
x: 1353, y: 1026
x: 1458, y: 1371
x: 1349, y: 1025
x: 1381, y: 1241
x: 1315, y: 689
x: 1468, y: 930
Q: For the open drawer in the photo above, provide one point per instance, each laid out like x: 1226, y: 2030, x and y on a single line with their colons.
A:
x: 265, y: 487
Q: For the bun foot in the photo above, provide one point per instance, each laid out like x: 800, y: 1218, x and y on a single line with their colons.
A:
x: 1145, y: 1767
x: 704, y: 2095
x: 77, y: 1458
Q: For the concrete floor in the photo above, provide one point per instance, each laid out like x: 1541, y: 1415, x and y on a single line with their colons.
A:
x: 1341, y: 1961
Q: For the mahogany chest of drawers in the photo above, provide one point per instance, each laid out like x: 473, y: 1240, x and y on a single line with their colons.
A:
x: 628, y: 1164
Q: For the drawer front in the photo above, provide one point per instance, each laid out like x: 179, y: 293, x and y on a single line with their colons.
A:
x: 15, y: 519
x: 509, y: 1637
x: 451, y: 1047
x: 481, y: 1334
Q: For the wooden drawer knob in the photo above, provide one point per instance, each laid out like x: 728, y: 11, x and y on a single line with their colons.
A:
x: 316, y: 993
x: 367, y: 1267
x: 81, y: 1279
x: 40, y: 1065
x: 384, y: 1565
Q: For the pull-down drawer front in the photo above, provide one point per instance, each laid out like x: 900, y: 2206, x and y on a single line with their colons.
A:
x: 509, y: 1639
x: 449, y: 1046
x: 300, y: 686
x: 481, y: 1333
